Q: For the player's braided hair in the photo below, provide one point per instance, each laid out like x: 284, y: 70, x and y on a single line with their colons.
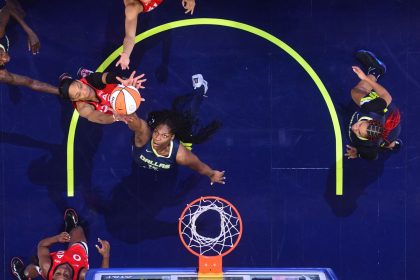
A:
x: 181, y: 124
x: 374, y: 130
x: 392, y: 121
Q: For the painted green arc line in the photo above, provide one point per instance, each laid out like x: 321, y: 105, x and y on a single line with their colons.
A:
x: 232, y: 24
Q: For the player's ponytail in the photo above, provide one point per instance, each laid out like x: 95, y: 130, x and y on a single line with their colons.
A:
x: 64, y: 85
x: 184, y: 125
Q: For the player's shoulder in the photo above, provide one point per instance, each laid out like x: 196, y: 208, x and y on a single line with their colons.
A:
x: 182, y: 154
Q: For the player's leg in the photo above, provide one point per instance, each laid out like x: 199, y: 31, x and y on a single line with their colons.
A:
x: 32, y: 271
x: 17, y: 7
x: 4, y: 19
x: 20, y: 272
x: 191, y: 102
x: 359, y: 91
x: 373, y: 67
x: 371, y: 64
x: 72, y: 226
x: 77, y: 235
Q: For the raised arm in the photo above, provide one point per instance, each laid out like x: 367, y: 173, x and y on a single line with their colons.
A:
x: 104, y: 249
x: 19, y: 80
x: 44, y: 250
x: 187, y: 158
x: 141, y: 130
x: 132, y: 9
x: 100, y: 80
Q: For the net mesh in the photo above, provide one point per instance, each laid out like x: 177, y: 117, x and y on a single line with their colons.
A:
x: 230, y: 228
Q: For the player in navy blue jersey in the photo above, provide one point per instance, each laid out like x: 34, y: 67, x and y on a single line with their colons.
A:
x: 164, y: 140
x: 376, y: 125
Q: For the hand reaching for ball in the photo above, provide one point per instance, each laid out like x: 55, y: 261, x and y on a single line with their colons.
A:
x: 125, y: 99
x: 133, y: 81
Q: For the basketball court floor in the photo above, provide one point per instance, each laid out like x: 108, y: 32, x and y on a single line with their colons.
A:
x: 279, y: 75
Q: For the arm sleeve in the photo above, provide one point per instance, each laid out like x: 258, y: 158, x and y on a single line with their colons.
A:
x: 111, y: 78
x: 95, y: 79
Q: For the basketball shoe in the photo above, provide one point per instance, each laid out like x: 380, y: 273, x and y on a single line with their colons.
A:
x: 83, y: 72
x: 371, y: 64
x: 70, y: 220
x: 398, y: 145
x: 17, y: 267
x: 198, y: 81
x: 64, y: 76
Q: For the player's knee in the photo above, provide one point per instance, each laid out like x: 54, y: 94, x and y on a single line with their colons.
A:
x: 359, y: 91
x: 77, y: 229
x: 77, y: 234
x: 3, y: 75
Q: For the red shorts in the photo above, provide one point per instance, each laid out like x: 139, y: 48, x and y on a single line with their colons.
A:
x: 147, y: 7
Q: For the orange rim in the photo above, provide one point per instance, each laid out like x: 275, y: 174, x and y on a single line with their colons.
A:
x: 209, y: 198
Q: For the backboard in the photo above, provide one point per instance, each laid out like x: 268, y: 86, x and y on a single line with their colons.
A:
x: 228, y: 274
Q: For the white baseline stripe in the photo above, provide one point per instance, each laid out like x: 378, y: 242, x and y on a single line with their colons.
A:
x: 301, y: 168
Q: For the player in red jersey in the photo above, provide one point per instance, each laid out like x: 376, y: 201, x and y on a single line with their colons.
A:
x: 132, y: 9
x: 70, y: 264
x: 13, y: 9
x: 90, y: 94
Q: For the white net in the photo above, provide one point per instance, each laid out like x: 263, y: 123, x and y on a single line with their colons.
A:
x: 230, y: 227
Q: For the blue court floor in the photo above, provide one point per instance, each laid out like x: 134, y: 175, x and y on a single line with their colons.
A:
x: 277, y: 144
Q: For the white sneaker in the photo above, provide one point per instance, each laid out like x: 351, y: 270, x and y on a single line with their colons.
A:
x: 199, y: 81
x: 83, y: 72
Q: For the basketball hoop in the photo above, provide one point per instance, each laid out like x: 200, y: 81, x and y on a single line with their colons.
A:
x: 210, y: 250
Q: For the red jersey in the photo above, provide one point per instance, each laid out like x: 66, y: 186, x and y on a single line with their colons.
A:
x: 75, y: 256
x: 147, y: 7
x: 103, y: 95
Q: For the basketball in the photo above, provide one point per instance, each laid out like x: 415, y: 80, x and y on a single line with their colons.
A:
x: 125, y: 100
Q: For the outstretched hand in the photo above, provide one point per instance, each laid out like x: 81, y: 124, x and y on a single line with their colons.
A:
x: 189, y: 6
x: 104, y: 248
x: 63, y: 237
x: 131, y: 118
x: 33, y: 43
x: 119, y: 117
x: 218, y: 177
x: 133, y: 81
x: 351, y: 152
x: 359, y: 72
x: 124, y: 61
